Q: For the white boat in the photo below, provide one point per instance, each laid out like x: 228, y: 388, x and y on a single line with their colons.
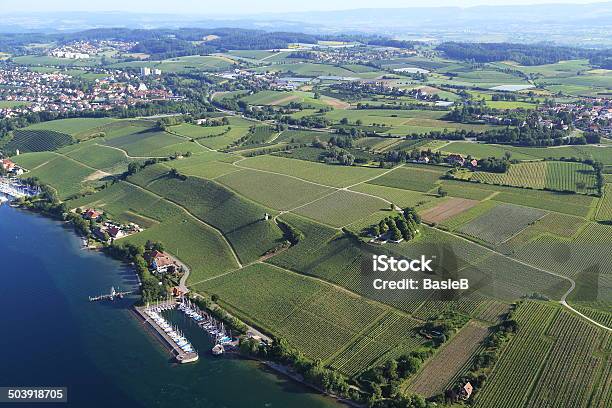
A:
x: 218, y: 350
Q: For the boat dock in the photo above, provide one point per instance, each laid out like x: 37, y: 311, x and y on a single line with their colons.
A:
x: 180, y: 354
x: 111, y: 296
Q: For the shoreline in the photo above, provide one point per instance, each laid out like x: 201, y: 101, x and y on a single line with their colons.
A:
x: 276, y: 367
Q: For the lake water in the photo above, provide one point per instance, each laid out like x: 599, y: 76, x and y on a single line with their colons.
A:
x: 53, y: 336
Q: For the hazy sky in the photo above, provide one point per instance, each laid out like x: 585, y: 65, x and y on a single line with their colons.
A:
x: 241, y: 6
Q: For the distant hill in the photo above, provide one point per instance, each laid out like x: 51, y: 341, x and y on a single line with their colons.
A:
x: 570, y: 24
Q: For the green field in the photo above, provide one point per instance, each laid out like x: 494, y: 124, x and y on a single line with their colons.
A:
x: 273, y: 190
x: 409, y: 178
x: 72, y: 126
x: 63, y: 174
x: 501, y: 222
x: 311, y: 315
x: 330, y: 175
x: 240, y: 220
x: 27, y: 140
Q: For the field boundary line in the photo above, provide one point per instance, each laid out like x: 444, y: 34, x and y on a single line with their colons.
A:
x: 128, y: 155
x: 232, y: 250
x: 565, y: 295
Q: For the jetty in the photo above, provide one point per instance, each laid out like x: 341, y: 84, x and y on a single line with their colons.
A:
x: 112, y: 295
x: 181, y: 349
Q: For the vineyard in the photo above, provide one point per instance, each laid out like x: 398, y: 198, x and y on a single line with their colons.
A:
x: 144, y: 143
x: 563, y: 176
x: 468, y: 215
x: 271, y: 189
x: 336, y: 176
x: 569, y: 376
x: 399, y: 197
x: 241, y: 221
x: 37, y: 141
x: 530, y: 174
x: 409, y: 178
x: 342, y: 208
x: 550, y: 175
x: 501, y: 223
x: 65, y: 175
x: 604, y: 212
x: 590, y: 249
x: 387, y: 338
x: 309, y: 314
x: 521, y: 361
x: 438, y: 373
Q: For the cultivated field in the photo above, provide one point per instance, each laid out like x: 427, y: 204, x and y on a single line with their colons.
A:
x: 440, y: 371
x: 37, y: 140
x: 409, y: 178
x: 447, y: 209
x: 501, y: 223
x: 336, y: 176
x: 273, y: 190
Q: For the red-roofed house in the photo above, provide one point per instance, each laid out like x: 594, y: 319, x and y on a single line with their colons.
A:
x: 114, y: 231
x: 7, y: 165
x: 91, y: 214
x: 161, y: 262
x: 466, y: 391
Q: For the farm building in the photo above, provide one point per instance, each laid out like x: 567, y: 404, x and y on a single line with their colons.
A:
x: 455, y: 159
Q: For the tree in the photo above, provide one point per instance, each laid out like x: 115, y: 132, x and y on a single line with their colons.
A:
x: 442, y: 192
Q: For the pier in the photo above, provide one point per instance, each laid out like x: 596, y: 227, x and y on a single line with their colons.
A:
x: 111, y: 296
x: 147, y: 316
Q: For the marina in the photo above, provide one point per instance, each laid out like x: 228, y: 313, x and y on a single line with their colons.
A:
x: 182, y: 349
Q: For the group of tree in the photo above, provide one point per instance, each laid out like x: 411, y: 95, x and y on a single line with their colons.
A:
x: 494, y: 164
x: 404, y: 226
x: 401, y: 156
x: 524, y: 54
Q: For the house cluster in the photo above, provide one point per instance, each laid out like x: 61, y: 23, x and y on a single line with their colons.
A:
x: 87, y: 49
x: 352, y: 54
x: 459, y: 160
x: 10, y: 167
x: 56, y: 92
x: 596, y: 117
x: 161, y: 262
x: 109, y: 230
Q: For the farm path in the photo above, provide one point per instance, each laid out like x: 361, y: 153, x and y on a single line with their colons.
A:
x: 270, y: 56
x: 233, y: 251
x: 563, y: 300
x: 128, y: 155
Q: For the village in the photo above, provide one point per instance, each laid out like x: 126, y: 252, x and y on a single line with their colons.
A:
x: 31, y: 91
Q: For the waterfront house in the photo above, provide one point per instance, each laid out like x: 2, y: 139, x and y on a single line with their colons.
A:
x: 91, y: 214
x: 7, y: 165
x: 161, y: 262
